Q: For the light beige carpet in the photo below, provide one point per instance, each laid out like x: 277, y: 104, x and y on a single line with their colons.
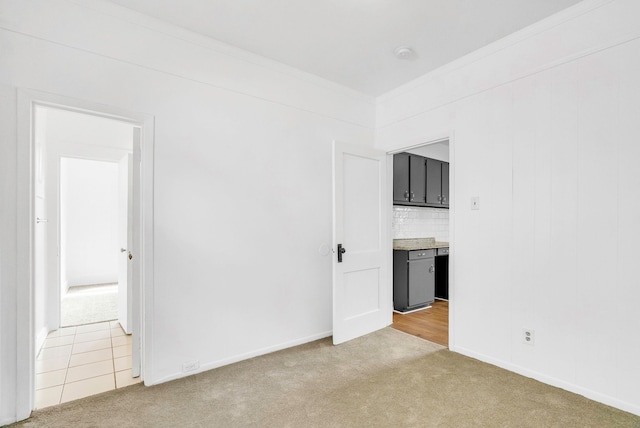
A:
x: 385, y: 379
x: 89, y: 304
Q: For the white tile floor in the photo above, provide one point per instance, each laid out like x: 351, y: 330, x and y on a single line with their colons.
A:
x: 76, y: 362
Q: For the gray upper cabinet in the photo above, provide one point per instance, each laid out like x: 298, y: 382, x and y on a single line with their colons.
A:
x: 445, y: 184
x: 437, y: 183
x: 416, y: 179
x: 420, y: 181
x: 434, y: 182
x: 408, y: 179
x: 401, y: 178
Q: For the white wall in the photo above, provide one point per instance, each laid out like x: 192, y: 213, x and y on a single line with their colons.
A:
x: 88, y: 222
x: 242, y: 172
x: 545, y: 131
x: 8, y: 254
x: 439, y: 151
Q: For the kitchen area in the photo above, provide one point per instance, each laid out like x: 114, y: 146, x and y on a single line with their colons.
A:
x: 421, y: 242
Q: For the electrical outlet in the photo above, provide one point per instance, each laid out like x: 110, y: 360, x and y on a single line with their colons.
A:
x: 528, y: 336
x: 190, y: 366
x: 475, y: 202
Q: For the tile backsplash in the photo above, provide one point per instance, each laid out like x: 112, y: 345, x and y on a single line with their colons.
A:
x: 420, y: 222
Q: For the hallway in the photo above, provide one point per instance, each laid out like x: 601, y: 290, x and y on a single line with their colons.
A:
x: 77, y: 362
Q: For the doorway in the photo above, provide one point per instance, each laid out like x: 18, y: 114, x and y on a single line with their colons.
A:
x: 88, y: 205
x: 83, y: 306
x: 417, y: 222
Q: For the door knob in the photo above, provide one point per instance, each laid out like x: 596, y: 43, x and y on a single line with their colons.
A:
x: 122, y: 250
x: 341, y: 251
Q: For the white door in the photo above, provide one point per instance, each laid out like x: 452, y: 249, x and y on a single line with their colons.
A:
x: 129, y: 278
x: 362, y: 298
x: 125, y: 236
x: 136, y: 258
x: 40, y: 243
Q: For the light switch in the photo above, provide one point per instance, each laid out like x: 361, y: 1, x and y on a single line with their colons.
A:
x: 475, y: 202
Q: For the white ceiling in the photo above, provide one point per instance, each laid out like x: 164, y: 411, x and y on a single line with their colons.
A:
x: 351, y: 42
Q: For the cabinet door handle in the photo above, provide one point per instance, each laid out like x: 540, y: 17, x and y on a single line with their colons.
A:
x: 432, y: 269
x: 406, y: 195
x: 444, y: 199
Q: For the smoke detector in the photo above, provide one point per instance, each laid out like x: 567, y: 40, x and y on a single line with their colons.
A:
x: 403, y: 52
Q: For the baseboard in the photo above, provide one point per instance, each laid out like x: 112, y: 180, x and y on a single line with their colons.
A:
x: 8, y: 421
x: 412, y: 311
x: 40, y: 338
x: 242, y: 357
x: 550, y: 380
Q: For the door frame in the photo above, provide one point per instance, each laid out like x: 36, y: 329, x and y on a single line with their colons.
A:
x: 27, y: 99
x: 436, y: 138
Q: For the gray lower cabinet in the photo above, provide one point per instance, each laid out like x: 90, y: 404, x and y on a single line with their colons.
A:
x: 442, y: 274
x: 413, y: 279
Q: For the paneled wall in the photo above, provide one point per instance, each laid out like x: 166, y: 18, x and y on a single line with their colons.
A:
x: 549, y: 143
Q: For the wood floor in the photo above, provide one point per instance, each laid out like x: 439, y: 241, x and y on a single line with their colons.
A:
x: 431, y: 324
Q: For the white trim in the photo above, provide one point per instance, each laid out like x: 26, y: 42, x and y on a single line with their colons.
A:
x: 246, y: 356
x: 532, y: 30
x: 437, y: 138
x: 550, y: 380
x: 27, y: 98
x: 452, y: 237
x: 41, y: 336
x: 8, y: 253
x: 389, y: 233
x: 25, y: 340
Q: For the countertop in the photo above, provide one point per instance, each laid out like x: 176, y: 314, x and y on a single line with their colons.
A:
x: 418, y: 244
